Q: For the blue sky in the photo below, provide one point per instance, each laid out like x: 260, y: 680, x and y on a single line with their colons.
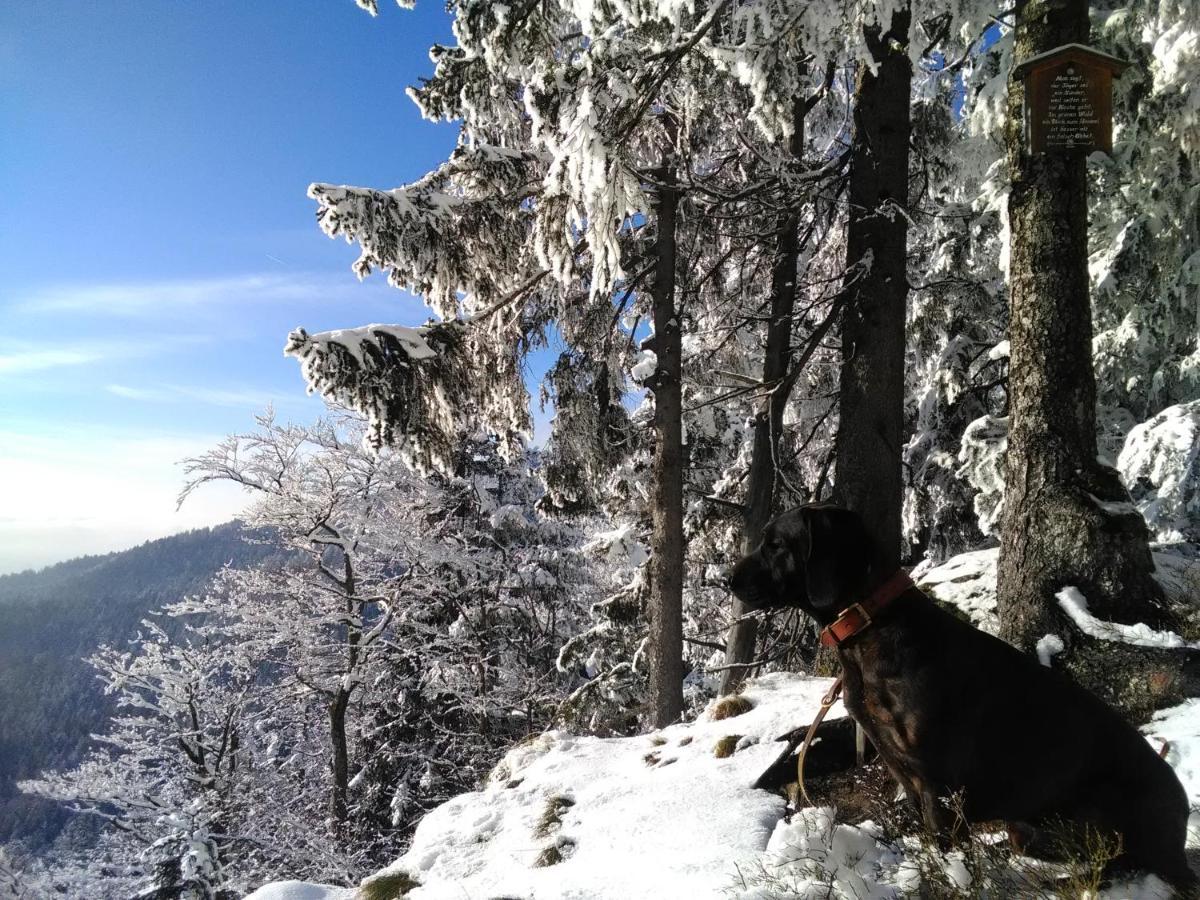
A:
x: 157, y: 244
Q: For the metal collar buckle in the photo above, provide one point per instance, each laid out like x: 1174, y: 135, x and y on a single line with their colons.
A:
x: 844, y: 619
x: 857, y: 607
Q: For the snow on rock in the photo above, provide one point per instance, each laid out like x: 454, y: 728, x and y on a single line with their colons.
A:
x: 1048, y: 646
x: 1179, y: 575
x: 814, y: 855
x: 966, y: 581
x: 300, y: 890
x: 1179, y: 726
x: 1074, y: 604
x: 1160, y: 463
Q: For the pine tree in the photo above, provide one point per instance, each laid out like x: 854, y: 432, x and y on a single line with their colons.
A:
x: 766, y: 472
x: 871, y: 404
x: 576, y: 97
x: 666, y: 597
x: 1067, y: 517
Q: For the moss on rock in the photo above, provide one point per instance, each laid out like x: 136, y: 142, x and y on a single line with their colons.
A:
x: 728, y: 707
x: 726, y: 746
x: 391, y: 886
x: 551, y: 817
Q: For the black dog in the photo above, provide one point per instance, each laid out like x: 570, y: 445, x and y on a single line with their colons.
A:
x: 953, y: 710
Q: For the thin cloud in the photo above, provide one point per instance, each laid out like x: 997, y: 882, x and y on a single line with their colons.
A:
x: 27, y: 357
x: 39, y: 360
x: 135, y: 299
x: 132, y: 393
x: 65, y: 496
x: 171, y: 393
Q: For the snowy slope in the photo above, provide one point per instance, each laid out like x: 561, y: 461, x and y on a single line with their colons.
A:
x: 653, y: 816
x: 660, y: 816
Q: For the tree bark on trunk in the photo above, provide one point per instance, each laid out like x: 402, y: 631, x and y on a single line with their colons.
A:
x: 1067, y: 518
x: 340, y: 760
x: 667, y: 553
x: 871, y: 421
x: 761, y: 485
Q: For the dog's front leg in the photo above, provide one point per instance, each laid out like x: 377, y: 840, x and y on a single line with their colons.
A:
x: 942, y: 816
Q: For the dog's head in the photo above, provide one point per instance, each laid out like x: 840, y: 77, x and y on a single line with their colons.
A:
x: 816, y: 557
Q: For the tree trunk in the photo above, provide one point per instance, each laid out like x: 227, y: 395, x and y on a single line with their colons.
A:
x: 1067, y: 518
x: 761, y: 486
x: 340, y: 760
x: 666, y: 564
x: 871, y: 421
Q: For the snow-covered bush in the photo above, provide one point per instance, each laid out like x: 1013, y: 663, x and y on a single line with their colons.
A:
x: 981, y: 459
x: 1160, y: 464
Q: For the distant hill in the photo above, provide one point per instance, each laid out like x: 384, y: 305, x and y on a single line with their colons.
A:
x: 50, y: 700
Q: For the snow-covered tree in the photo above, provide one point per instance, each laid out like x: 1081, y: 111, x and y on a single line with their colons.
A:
x: 1144, y: 240
x: 320, y: 622
x: 1067, y: 517
x: 450, y: 589
x: 301, y: 715
x: 167, y: 774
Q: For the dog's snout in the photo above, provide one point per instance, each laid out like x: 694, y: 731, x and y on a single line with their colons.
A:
x: 744, y: 577
x: 736, y: 577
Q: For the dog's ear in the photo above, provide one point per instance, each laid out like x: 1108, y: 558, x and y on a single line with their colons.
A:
x: 839, y: 558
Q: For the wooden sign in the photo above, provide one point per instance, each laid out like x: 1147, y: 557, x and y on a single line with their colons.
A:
x: 1068, y: 99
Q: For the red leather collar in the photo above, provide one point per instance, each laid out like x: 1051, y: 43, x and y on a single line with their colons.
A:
x: 857, y: 618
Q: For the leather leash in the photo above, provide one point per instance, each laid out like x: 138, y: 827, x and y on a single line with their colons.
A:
x: 827, y: 701
x: 852, y: 620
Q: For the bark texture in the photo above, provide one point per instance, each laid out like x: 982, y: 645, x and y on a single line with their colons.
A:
x: 666, y: 564
x: 871, y: 421
x: 339, y: 759
x: 339, y: 703
x: 1067, y: 518
x: 762, y: 478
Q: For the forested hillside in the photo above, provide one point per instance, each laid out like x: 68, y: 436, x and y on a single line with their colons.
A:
x: 50, y: 621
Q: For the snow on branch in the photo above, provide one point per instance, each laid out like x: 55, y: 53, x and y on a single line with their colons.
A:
x: 461, y: 230
x: 386, y: 372
x: 1074, y: 604
x: 372, y: 6
x: 420, y: 389
x: 1160, y: 462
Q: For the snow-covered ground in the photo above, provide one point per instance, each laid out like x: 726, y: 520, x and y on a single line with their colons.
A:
x: 663, y: 816
x: 657, y: 815
x: 968, y: 581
